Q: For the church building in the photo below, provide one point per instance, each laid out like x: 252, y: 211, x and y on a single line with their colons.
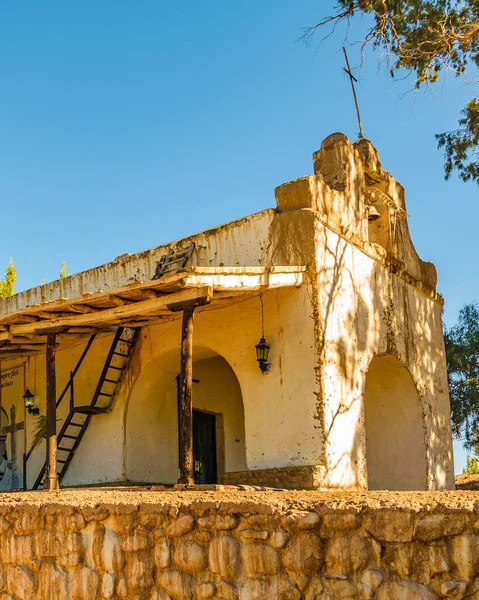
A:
x: 298, y: 347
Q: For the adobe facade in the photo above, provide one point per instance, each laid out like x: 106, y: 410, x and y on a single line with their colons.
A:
x: 356, y: 397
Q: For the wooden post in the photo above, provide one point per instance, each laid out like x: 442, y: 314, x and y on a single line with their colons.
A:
x: 185, y: 412
x: 51, y: 478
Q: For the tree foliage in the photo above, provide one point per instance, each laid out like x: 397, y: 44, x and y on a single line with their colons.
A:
x: 462, y: 353
x: 425, y: 37
x: 7, y: 285
x: 472, y: 466
x: 63, y: 270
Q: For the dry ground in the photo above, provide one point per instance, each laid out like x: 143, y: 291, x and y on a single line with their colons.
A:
x: 264, y: 501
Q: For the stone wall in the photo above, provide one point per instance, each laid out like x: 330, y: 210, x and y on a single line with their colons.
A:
x: 290, y: 478
x: 242, y: 546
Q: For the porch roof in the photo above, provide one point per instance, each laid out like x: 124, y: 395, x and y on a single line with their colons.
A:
x: 138, y: 304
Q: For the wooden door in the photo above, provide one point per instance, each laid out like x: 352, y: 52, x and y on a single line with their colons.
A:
x: 204, y: 447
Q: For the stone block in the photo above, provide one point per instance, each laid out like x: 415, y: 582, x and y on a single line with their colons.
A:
x: 95, y: 514
x: 279, y: 539
x: 301, y: 520
x: 48, y: 544
x: 405, y: 590
x: 162, y: 554
x: 371, y: 579
x: 341, y: 589
x: 453, y: 588
x: 303, y: 553
x: 84, y: 584
x: 437, y: 526
x: 275, y: 588
x: 223, y: 556
x: 218, y: 522
x: 205, y: 591
x: 52, y: 582
x: 21, y: 582
x: 464, y: 552
x: 254, y: 534
x: 190, y: 556
x: 260, y: 560
x: 348, y: 554
x: 108, y: 585
x: 179, y: 585
x: 139, y: 574
x: 180, y: 526
x: 390, y: 525
x: 136, y: 543
x: 228, y: 590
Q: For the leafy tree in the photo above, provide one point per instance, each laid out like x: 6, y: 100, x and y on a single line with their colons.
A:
x: 472, y: 466
x: 462, y: 353
x: 425, y: 37
x: 63, y: 270
x: 7, y: 285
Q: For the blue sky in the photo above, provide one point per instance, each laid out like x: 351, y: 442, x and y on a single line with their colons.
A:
x: 127, y: 124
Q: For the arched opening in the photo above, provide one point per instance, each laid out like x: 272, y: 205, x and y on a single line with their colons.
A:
x: 395, y: 443
x: 152, y: 420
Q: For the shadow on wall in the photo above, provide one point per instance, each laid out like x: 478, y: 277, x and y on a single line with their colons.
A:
x: 151, y: 432
x: 365, y: 311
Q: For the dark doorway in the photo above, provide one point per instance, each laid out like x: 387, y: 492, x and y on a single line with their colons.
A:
x: 204, y: 447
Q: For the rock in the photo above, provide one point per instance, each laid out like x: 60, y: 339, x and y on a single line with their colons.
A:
x: 21, y: 582
x: 111, y: 557
x: 437, y: 526
x: 340, y: 520
x: 180, y: 526
x: 140, y: 574
x: 279, y: 539
x: 136, y: 543
x: 190, y: 556
x: 227, y: 590
x: 16, y: 549
x: 204, y: 591
x: 162, y: 554
x: 300, y: 520
x: 218, y: 522
x: 108, y: 585
x: 122, y: 589
x: 159, y: 595
x: 254, y: 534
x: 453, y: 589
x: 52, y: 582
x: 223, y: 556
x: 342, y: 588
x: 390, y: 525
x: 259, y: 560
x: 404, y: 590
x: 278, y: 588
x: 370, y: 581
x: 48, y: 544
x: 347, y: 555
x: 84, y: 584
x: 464, y: 551
x: 95, y: 514
x: 177, y: 584
x: 303, y: 553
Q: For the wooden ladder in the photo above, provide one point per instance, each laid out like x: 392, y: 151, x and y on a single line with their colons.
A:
x: 79, y: 417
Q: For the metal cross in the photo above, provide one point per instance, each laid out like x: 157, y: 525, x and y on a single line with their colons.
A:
x: 353, y: 79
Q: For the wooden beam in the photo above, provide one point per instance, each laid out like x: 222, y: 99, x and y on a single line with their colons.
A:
x: 119, y: 301
x: 107, y: 315
x: 185, y: 408
x: 82, y: 308
x: 51, y: 477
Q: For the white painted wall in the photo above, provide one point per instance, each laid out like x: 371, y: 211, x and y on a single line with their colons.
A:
x: 395, y: 429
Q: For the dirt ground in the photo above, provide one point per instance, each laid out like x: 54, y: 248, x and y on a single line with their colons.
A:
x: 264, y: 501
x: 467, y: 482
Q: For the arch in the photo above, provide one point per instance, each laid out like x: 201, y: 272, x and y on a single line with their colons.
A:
x: 395, y: 434
x: 151, y: 427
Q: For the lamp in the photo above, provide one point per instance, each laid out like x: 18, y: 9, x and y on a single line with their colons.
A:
x: 29, y: 404
x: 262, y: 347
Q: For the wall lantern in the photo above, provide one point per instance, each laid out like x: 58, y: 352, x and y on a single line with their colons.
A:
x: 262, y: 347
x: 29, y: 404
